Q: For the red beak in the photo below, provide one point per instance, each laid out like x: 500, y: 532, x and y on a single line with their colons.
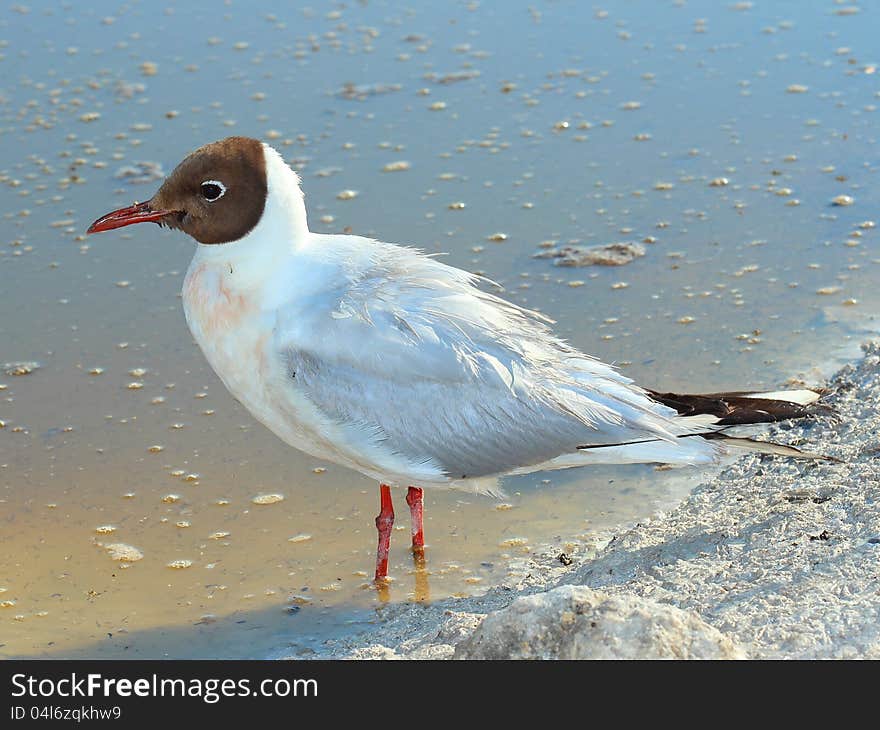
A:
x: 137, y: 213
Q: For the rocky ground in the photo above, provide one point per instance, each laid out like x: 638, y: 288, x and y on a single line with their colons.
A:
x: 771, y: 558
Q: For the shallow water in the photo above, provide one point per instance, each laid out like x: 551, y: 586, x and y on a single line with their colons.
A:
x: 719, y: 133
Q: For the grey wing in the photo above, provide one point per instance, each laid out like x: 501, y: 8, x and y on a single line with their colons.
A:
x: 466, y: 430
x: 412, y: 358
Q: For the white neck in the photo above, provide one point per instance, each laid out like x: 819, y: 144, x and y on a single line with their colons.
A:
x: 282, y: 228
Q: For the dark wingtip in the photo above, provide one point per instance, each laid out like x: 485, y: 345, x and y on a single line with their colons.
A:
x: 739, y: 409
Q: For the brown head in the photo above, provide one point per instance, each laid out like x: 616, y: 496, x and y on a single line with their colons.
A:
x: 216, y: 195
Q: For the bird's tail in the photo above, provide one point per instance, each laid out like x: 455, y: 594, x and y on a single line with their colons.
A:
x: 720, y: 416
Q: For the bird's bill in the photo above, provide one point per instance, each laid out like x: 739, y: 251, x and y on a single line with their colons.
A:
x: 137, y: 213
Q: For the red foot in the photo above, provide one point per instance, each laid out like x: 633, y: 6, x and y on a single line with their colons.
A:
x: 414, y: 500
x: 384, y: 523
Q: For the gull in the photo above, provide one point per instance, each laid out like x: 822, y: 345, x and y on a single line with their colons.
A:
x: 387, y: 361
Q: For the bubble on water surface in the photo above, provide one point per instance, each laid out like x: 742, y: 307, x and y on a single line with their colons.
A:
x: 267, y: 498
x: 123, y: 552
x: 398, y: 166
x: 21, y: 368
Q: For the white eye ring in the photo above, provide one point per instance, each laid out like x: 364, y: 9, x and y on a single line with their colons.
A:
x: 218, y: 184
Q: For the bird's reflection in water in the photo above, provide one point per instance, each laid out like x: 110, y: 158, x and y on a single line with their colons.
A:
x: 422, y: 592
x: 421, y: 589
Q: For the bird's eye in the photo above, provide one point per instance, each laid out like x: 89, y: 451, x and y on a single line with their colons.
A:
x: 212, y: 190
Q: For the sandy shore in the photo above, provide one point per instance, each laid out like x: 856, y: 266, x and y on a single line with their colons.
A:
x: 770, y: 558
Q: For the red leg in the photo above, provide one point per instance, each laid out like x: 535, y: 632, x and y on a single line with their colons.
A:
x: 414, y: 500
x: 384, y: 523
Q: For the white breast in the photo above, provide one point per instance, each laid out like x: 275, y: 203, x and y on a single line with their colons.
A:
x: 226, y: 325
x: 234, y: 329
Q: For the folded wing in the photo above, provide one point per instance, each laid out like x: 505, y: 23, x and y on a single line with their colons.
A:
x: 413, y: 360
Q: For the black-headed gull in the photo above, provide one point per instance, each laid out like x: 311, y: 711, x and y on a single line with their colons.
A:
x: 383, y: 359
